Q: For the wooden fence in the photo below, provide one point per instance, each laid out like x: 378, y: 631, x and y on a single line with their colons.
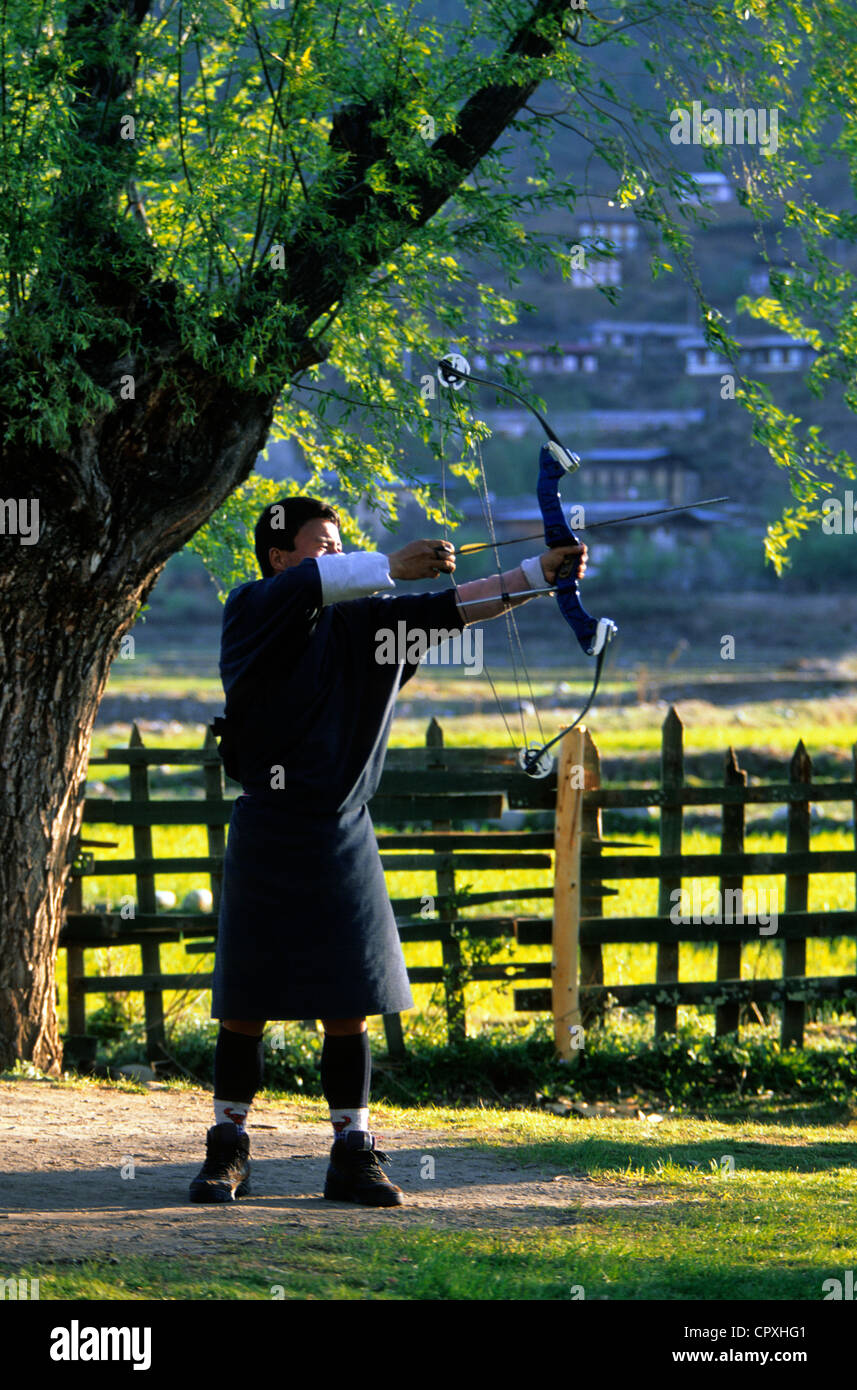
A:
x: 427, y: 803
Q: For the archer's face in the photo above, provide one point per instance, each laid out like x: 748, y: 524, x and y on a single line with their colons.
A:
x: 315, y: 538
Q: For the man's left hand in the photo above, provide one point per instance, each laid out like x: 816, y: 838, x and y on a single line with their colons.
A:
x: 554, y: 560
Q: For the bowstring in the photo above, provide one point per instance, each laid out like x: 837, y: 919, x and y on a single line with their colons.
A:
x: 451, y: 576
x: 513, y: 636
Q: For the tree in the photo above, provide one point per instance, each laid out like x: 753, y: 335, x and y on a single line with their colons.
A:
x: 202, y: 202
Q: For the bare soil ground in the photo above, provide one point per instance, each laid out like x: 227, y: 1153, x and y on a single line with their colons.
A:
x: 62, y: 1195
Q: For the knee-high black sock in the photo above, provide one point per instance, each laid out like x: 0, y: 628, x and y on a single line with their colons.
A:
x: 346, y: 1070
x: 239, y: 1066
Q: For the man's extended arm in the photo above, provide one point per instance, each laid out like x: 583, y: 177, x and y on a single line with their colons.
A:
x: 346, y: 577
x: 482, y: 598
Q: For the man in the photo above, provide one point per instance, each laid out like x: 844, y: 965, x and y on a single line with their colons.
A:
x: 306, y: 929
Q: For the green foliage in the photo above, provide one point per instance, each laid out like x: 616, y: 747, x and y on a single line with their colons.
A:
x: 110, y: 1023
x: 235, y: 148
x: 693, y: 1068
x: 506, y: 1064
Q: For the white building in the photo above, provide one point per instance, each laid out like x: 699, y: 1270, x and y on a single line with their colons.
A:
x: 623, y: 235
x: 713, y: 187
x: 596, y: 272
x: 757, y: 354
x: 538, y: 359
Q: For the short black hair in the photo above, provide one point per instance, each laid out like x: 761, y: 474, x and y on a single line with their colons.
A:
x: 280, y: 522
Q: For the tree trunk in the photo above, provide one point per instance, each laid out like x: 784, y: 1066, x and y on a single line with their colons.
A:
x: 53, y: 681
x: 107, y: 527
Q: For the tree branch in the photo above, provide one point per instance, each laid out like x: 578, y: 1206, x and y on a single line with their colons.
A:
x: 312, y: 280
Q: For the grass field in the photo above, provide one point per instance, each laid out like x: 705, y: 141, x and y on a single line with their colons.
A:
x: 686, y: 1209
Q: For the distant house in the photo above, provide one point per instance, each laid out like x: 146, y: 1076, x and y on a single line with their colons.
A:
x: 623, y: 235
x: 773, y: 353
x: 635, y: 340
x: 713, y: 188
x: 628, y: 334
x: 518, y: 423
x: 610, y: 483
x: 656, y: 476
x: 612, y: 235
x: 538, y: 359
x: 758, y: 281
x: 596, y: 272
x: 652, y: 473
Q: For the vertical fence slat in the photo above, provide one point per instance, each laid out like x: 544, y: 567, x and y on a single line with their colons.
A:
x: 797, y: 897
x: 732, y: 842
x: 75, y: 968
x: 854, y: 804
x: 566, y: 901
x: 672, y: 778
x: 212, y: 773
x: 453, y: 985
x: 591, y: 955
x: 75, y: 962
x: 153, y: 999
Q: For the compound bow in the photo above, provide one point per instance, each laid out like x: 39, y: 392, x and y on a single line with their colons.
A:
x: 593, y: 634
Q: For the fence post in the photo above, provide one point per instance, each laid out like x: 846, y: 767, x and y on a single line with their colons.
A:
x: 566, y: 899
x: 797, y: 896
x: 456, y: 1012
x: 854, y: 761
x: 672, y: 779
x: 212, y: 773
x: 591, y: 954
x: 732, y: 842
x: 75, y: 968
x: 150, y: 952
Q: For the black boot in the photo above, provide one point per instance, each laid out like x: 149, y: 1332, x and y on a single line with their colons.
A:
x: 225, y: 1174
x: 355, y: 1173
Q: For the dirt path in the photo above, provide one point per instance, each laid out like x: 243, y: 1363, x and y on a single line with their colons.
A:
x: 62, y: 1194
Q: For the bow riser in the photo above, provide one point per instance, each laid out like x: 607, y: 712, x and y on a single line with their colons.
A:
x: 557, y: 533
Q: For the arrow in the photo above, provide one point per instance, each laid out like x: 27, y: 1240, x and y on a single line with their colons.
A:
x: 592, y: 526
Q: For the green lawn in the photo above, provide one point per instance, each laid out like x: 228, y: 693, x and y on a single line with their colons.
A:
x: 678, y: 1226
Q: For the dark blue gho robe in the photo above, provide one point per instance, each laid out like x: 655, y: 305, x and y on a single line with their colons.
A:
x: 306, y: 928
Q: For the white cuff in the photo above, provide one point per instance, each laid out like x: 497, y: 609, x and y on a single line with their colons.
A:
x: 352, y: 576
x: 533, y: 572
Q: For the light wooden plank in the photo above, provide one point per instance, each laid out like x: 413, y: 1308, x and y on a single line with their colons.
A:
x: 566, y: 918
